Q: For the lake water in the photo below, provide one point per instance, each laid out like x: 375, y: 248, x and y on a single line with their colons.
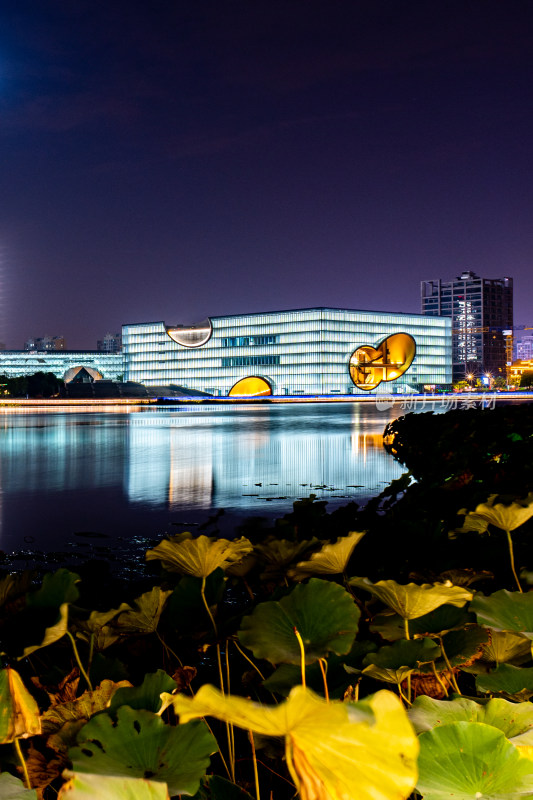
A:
x: 65, y: 476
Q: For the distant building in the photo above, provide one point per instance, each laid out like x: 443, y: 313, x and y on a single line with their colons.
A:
x: 111, y: 343
x: 313, y: 351
x: 16, y: 363
x: 524, y: 343
x: 45, y: 343
x: 481, y: 310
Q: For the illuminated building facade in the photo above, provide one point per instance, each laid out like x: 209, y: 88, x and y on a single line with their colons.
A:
x: 481, y: 310
x: 316, y: 351
x: 17, y: 363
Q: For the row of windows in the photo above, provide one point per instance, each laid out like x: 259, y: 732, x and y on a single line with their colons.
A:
x: 246, y: 341
x: 250, y: 361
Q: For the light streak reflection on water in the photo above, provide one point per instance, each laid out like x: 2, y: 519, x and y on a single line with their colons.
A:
x: 140, y: 471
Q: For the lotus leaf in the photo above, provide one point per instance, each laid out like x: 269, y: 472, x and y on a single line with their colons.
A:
x: 515, y: 720
x: 199, y: 557
x: 216, y: 788
x: 505, y: 647
x: 323, y: 613
x: 141, y: 744
x: 505, y: 517
x: 87, y: 787
x: 393, y: 663
x: 505, y: 611
x: 147, y: 695
x: 471, y: 760
x: 98, y: 629
x: 144, y: 619
x: 411, y: 601
x: 12, y: 586
x: 334, y: 750
x: 515, y: 682
x: 277, y: 554
x: 12, y: 788
x: 331, y: 559
x: 442, y: 619
x: 19, y: 713
x: 62, y: 722
x: 185, y: 608
x: 464, y: 647
x: 45, y: 618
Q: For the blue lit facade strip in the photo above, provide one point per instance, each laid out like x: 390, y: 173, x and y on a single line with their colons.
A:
x: 308, y: 351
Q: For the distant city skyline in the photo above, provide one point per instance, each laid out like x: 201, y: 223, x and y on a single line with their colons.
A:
x: 176, y: 161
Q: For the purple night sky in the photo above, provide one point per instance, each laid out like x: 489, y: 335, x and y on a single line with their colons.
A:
x: 173, y: 159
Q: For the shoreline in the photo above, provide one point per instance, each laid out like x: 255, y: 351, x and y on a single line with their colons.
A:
x: 450, y: 399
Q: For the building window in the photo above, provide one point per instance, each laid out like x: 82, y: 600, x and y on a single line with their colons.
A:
x: 250, y: 361
x: 248, y: 341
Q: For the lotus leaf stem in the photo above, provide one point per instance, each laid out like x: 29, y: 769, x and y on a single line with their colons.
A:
x: 406, y: 629
x: 23, y: 763
x: 302, y: 654
x: 511, y: 556
x: 78, y: 660
x: 256, y: 773
x: 402, y: 696
x: 441, y: 682
x: 323, y: 664
x: 206, y: 604
x: 249, y: 660
x: 452, y: 673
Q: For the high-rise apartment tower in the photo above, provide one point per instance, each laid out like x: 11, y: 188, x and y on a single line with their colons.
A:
x: 482, y: 321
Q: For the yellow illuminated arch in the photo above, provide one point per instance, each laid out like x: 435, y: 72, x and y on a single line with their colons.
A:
x: 250, y: 387
x: 369, y: 366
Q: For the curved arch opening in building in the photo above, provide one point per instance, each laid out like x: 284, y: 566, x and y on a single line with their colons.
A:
x: 82, y: 374
x: 253, y: 386
x: 193, y: 335
x: 369, y: 366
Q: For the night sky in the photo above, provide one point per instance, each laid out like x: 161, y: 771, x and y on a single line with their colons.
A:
x: 170, y: 160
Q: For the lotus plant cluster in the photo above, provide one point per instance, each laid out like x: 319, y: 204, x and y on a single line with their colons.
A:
x: 273, y: 669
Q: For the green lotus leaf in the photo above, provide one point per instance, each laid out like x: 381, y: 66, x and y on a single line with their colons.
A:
x: 411, y: 600
x: 19, y: 713
x: 331, y: 559
x: 514, y: 682
x: 104, y: 787
x: 515, y: 720
x: 216, y: 788
x: 44, y: 619
x: 277, y: 554
x: 147, y: 695
x: 505, y: 647
x: 505, y: 611
x: 404, y: 653
x: 12, y: 788
x: 444, y: 618
x: 386, y: 674
x: 323, y: 613
x: 140, y: 744
x: 185, y: 608
x: 471, y: 760
x: 144, y: 619
x: 463, y: 647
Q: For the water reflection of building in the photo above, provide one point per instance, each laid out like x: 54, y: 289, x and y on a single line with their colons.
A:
x: 210, y: 462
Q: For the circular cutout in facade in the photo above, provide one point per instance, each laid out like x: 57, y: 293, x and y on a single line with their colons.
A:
x: 369, y: 366
x: 251, y: 387
x: 193, y: 335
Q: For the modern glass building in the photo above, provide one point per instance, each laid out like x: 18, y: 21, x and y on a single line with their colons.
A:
x: 314, y: 351
x: 17, y: 363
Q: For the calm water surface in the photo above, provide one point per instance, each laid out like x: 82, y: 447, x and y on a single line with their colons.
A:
x: 148, y: 471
